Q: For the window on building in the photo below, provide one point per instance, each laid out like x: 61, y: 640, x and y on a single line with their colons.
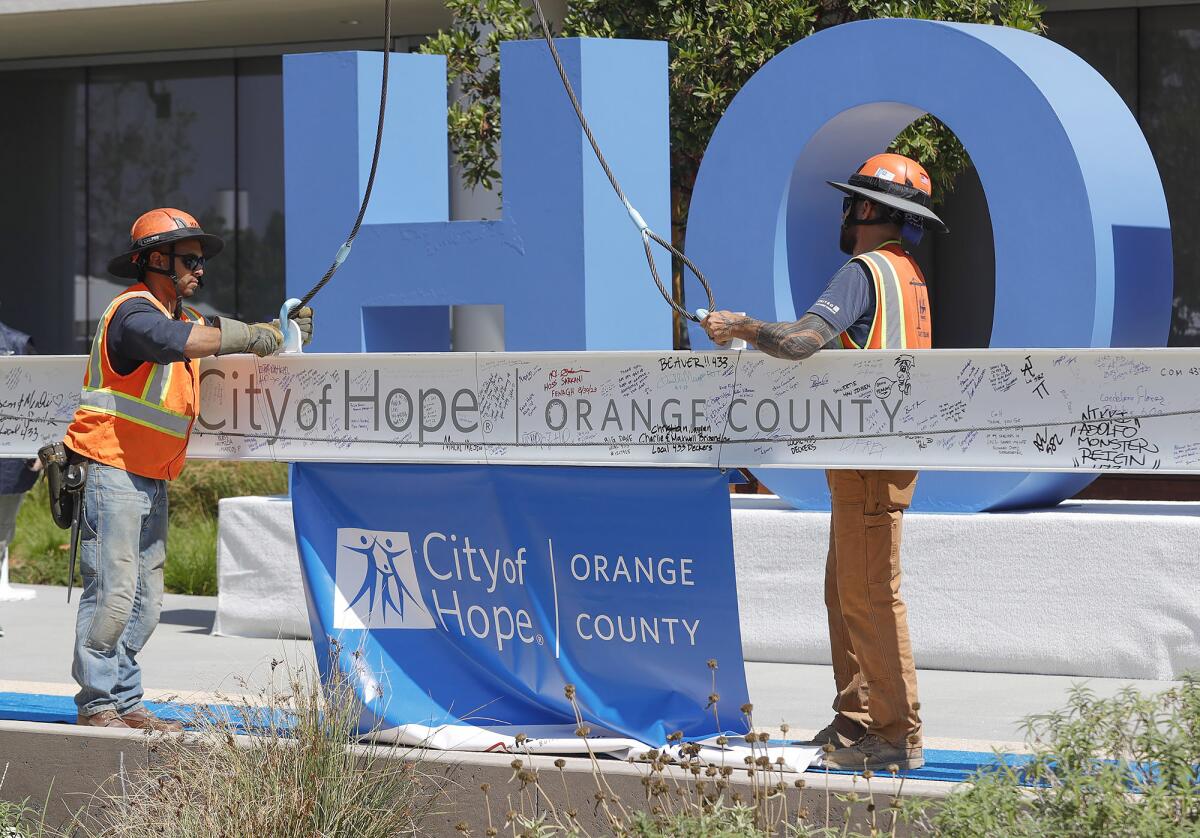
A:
x: 161, y: 135
x: 259, y: 208
x: 1105, y: 38
x: 93, y: 148
x: 1151, y: 57
x: 43, y: 274
x: 1169, y: 104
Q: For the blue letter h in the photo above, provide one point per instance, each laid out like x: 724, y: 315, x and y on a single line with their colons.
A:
x: 564, y: 260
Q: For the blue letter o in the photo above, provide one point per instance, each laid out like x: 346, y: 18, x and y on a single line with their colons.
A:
x: 1082, y: 240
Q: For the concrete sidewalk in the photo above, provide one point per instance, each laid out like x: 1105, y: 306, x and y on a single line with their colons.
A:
x: 182, y: 658
x: 962, y: 710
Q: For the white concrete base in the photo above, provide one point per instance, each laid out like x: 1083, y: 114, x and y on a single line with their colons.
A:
x: 1098, y: 588
x: 260, y: 592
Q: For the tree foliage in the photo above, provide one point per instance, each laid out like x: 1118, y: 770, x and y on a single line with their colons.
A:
x: 472, y: 50
x: 715, y: 47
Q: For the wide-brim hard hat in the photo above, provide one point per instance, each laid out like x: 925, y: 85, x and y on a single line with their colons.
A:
x: 893, y: 201
x: 159, y: 228
x: 895, y: 181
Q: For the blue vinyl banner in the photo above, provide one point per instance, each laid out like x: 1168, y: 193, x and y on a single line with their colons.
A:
x: 472, y: 595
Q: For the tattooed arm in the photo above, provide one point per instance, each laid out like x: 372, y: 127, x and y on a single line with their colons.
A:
x: 792, y: 341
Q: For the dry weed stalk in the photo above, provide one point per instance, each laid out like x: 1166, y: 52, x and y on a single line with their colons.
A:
x: 683, y: 794
x: 296, y: 776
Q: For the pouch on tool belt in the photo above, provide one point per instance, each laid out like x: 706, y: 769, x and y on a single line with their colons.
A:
x: 65, y: 481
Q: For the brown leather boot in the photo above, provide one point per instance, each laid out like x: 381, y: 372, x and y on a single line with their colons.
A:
x: 105, y: 718
x: 143, y: 719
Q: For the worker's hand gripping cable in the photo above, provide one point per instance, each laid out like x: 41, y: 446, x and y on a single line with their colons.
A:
x: 647, y: 234
x: 294, y: 327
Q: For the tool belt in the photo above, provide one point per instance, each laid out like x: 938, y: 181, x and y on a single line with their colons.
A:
x: 66, y: 475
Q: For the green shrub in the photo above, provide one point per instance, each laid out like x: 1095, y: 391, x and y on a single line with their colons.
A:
x: 15, y: 820
x: 1127, y: 765
x: 39, y: 551
x: 192, y: 556
x: 19, y: 819
x: 204, y: 482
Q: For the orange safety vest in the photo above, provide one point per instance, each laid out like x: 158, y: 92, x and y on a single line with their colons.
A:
x: 138, y: 422
x: 901, y: 301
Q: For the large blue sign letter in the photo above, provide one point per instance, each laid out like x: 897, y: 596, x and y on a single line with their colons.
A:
x: 564, y: 260
x: 1083, y: 248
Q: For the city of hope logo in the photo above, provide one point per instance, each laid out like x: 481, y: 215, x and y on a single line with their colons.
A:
x: 376, y: 583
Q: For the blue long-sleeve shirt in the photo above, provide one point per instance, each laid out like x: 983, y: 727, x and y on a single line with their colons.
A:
x: 138, y: 332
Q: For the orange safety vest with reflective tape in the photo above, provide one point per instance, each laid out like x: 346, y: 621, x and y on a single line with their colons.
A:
x: 901, y: 301
x: 138, y: 422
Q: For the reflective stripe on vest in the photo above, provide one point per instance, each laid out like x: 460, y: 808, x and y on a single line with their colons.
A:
x: 901, y: 318
x: 135, y: 410
x: 148, y: 410
x: 889, y: 303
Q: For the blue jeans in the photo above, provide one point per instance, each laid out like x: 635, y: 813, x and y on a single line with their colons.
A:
x: 123, y: 547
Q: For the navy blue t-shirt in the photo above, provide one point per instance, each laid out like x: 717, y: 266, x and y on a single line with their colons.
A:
x: 138, y: 332
x: 848, y: 303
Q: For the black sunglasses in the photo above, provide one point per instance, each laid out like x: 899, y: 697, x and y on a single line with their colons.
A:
x: 191, y: 261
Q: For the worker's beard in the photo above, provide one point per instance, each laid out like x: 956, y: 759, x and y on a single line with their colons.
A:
x: 184, y: 287
x: 846, y: 241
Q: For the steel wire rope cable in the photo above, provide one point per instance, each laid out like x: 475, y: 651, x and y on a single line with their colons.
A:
x: 647, y: 234
x: 344, y: 250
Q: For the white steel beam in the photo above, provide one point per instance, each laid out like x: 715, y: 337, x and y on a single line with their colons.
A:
x: 1135, y: 410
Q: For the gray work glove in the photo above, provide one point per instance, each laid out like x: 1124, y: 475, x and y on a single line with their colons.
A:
x: 262, y: 339
x: 304, y: 319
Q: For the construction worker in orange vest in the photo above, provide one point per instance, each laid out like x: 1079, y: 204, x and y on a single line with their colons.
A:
x: 878, y: 300
x: 141, y: 394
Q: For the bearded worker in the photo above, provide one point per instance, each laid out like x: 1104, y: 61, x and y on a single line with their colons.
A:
x: 878, y: 300
x: 140, y: 397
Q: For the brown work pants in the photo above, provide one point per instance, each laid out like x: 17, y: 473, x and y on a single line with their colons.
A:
x: 868, y: 621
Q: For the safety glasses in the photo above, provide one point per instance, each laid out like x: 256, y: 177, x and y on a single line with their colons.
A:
x: 191, y: 261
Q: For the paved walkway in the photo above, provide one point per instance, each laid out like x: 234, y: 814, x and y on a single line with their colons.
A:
x: 962, y: 710
x: 181, y: 659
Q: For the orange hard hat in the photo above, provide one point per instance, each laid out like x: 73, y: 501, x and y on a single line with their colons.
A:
x: 895, y: 181
x: 158, y: 228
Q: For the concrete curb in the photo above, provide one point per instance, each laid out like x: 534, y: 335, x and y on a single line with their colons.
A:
x: 61, y: 766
